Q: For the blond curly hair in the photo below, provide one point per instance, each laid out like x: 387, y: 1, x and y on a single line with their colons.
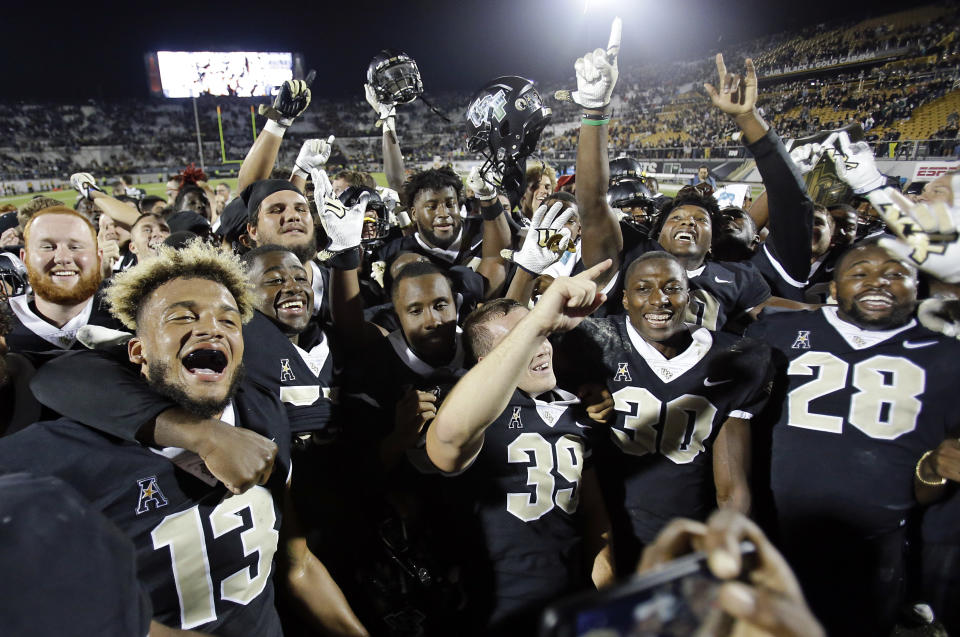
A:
x: 131, y: 289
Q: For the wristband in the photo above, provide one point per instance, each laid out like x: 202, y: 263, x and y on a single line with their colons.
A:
x: 348, y: 259
x: 595, y: 122
x: 274, y: 128
x: 491, y: 213
x: 929, y: 483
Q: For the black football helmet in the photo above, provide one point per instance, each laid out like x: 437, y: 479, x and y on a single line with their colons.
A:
x: 625, y: 168
x: 376, y: 213
x: 631, y: 193
x: 395, y: 77
x: 504, y: 121
x: 13, y: 274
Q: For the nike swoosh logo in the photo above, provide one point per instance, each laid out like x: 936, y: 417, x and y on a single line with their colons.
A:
x: 719, y: 280
x: 710, y: 383
x: 919, y: 344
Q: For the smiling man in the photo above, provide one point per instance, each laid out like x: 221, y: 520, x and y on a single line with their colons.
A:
x: 860, y: 396
x: 205, y: 556
x: 683, y: 399
x: 147, y: 235
x: 63, y: 268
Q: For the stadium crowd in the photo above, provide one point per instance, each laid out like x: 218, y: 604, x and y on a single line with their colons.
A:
x: 435, y: 407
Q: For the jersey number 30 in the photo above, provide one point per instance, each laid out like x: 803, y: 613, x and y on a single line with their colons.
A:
x: 183, y: 533
x: 885, y: 405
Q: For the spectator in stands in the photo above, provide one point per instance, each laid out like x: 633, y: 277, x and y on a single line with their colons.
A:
x: 703, y: 176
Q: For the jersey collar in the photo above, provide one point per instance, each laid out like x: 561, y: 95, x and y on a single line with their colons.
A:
x: 447, y: 254
x: 63, y: 337
x: 669, y: 369
x: 417, y: 364
x: 859, y: 338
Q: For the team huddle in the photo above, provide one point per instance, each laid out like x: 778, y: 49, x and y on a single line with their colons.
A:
x: 436, y: 407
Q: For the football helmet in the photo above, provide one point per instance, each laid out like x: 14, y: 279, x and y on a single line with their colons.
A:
x: 504, y: 121
x: 395, y: 77
x: 13, y: 276
x: 625, y: 168
x: 375, y: 223
x: 631, y: 196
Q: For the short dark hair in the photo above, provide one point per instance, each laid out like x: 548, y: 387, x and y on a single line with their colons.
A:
x: 650, y: 256
x: 184, y: 191
x: 433, y: 179
x: 476, y: 336
x: 690, y: 198
x: 144, y: 216
x: 872, y: 242
x: 150, y: 201
x: 248, y: 257
x: 560, y: 195
x: 413, y: 270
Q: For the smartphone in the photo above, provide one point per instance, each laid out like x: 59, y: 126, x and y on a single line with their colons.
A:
x: 675, y: 600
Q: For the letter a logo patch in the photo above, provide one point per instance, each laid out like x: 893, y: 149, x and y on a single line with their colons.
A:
x: 803, y: 340
x: 515, y: 422
x: 623, y: 373
x: 285, y: 372
x: 150, y: 493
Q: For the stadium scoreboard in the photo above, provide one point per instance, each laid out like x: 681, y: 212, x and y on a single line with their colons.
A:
x: 179, y: 74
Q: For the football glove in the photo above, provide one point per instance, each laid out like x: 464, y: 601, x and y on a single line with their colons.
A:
x: 390, y: 197
x: 313, y: 154
x: 855, y: 165
x: 926, y: 232
x: 291, y: 101
x: 84, y: 183
x: 483, y: 189
x: 597, y: 72
x: 545, y: 241
x: 344, y: 226
x: 807, y: 156
x: 386, y: 113
x: 940, y: 315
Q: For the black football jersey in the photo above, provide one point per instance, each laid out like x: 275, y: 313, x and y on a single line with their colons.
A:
x: 205, y: 556
x: 854, y: 411
x: 519, y: 499
x: 40, y: 341
x: 669, y: 413
x: 470, y: 238
x: 720, y: 291
x: 303, y: 380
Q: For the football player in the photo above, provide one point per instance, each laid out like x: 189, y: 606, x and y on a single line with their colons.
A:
x: 63, y: 268
x: 522, y: 463
x: 860, y: 396
x: 205, y: 556
x: 722, y: 291
x: 683, y: 399
x: 147, y: 234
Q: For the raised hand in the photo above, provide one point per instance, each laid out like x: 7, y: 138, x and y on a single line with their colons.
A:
x: 569, y: 300
x: 736, y: 95
x: 597, y: 72
x: 483, y: 189
x: 807, y: 156
x: 313, y: 154
x: 386, y: 113
x: 927, y: 233
x: 291, y: 101
x: 344, y: 226
x: 855, y: 165
x: 546, y: 239
x: 84, y: 183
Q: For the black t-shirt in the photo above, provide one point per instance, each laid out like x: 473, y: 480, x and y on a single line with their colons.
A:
x: 205, y: 556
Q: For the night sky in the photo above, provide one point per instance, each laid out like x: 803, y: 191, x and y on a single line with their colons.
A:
x: 458, y: 45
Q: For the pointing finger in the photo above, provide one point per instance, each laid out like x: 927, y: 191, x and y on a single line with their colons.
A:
x: 721, y: 68
x: 310, y: 77
x: 613, y: 44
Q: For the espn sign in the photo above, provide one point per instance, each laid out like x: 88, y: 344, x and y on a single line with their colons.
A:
x: 928, y: 171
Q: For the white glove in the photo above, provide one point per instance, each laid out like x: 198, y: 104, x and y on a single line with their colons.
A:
x: 313, y: 154
x: 322, y: 187
x: 386, y: 113
x: 545, y: 241
x: 597, y: 72
x: 807, y: 156
x: 940, y: 315
x: 482, y: 189
x: 102, y: 338
x: 83, y: 183
x: 927, y: 232
x: 855, y: 165
x: 344, y: 226
x: 390, y: 197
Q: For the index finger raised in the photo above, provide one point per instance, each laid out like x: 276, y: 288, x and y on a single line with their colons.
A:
x: 613, y: 44
x: 595, y: 271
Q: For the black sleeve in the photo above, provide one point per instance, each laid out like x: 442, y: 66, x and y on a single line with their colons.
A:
x: 791, y: 209
x: 99, y: 391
